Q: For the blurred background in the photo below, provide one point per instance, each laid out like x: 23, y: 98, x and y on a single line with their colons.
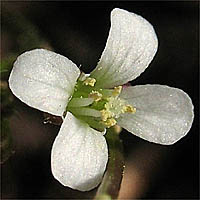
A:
x: 79, y: 30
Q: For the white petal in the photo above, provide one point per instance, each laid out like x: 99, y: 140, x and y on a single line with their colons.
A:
x: 79, y: 155
x: 131, y: 45
x: 163, y: 114
x: 44, y: 80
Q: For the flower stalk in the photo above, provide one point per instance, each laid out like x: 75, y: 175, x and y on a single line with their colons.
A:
x: 110, y: 185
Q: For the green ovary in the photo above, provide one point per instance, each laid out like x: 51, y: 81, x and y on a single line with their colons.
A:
x: 96, y: 106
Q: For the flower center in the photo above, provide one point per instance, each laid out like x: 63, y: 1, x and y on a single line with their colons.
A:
x: 98, y: 107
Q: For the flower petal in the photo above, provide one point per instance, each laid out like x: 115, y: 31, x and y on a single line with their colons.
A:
x: 79, y: 155
x: 131, y: 45
x: 44, y: 80
x: 163, y: 114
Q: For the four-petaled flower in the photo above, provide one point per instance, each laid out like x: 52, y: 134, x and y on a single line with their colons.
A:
x: 91, y: 103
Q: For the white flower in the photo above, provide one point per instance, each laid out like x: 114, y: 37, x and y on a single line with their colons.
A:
x: 52, y: 83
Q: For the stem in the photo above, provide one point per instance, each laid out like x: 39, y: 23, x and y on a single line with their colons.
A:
x: 110, y: 186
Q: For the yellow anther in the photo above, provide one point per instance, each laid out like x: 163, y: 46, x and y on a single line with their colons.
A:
x: 110, y: 122
x: 105, y: 114
x: 117, y: 90
x: 129, y: 109
x: 89, y: 81
x: 95, y: 95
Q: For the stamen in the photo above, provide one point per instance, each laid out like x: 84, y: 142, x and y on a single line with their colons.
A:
x: 95, y: 95
x: 129, y: 109
x: 105, y: 114
x: 110, y: 122
x: 89, y: 81
x: 117, y: 91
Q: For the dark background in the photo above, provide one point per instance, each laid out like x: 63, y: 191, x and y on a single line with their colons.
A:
x: 79, y: 30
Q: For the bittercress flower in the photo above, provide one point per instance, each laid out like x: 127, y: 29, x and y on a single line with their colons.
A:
x: 89, y: 104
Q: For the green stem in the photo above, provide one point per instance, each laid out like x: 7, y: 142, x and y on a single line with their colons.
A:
x: 110, y: 186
